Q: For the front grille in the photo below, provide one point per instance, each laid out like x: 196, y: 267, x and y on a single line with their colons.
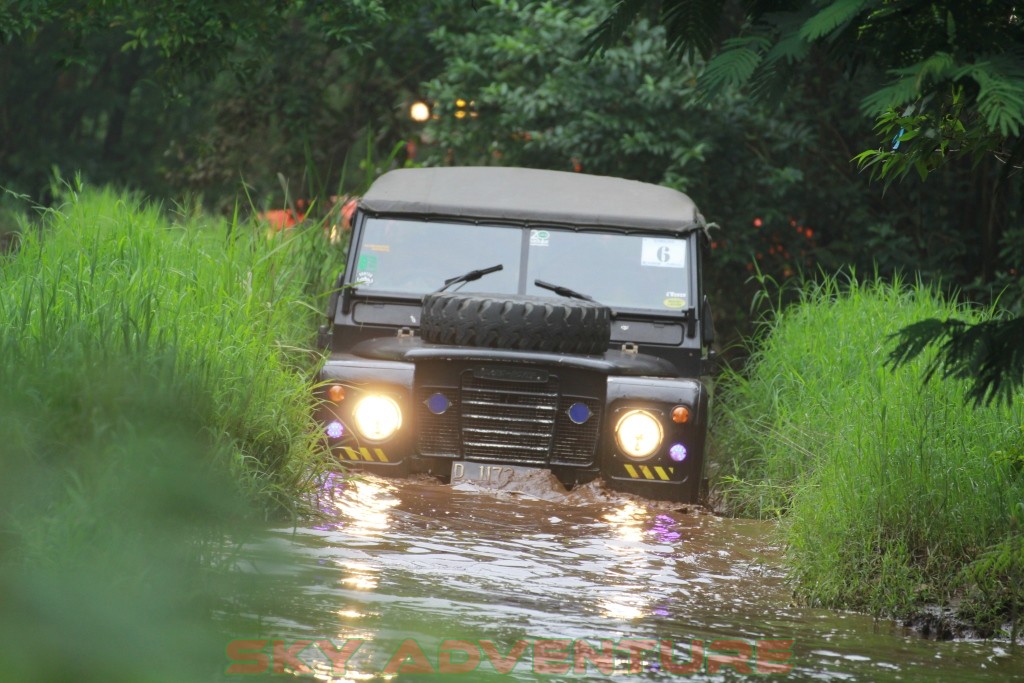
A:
x: 517, y: 421
x: 574, y: 444
x: 506, y: 421
x: 438, y: 435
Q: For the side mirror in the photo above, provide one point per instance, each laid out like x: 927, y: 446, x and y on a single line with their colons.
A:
x: 709, y: 365
x: 332, y: 305
x: 346, y: 298
x: 323, y: 338
x: 707, y: 327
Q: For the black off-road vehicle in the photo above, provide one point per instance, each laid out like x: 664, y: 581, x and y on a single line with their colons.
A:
x: 490, y: 319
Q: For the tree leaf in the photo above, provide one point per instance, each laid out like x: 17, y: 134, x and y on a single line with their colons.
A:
x: 832, y: 17
x: 987, y: 354
x: 734, y: 65
x: 691, y: 25
x: 610, y: 31
x: 910, y: 83
x: 1000, y: 98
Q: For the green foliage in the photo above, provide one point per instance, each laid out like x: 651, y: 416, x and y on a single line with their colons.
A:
x: 888, y: 489
x: 691, y: 25
x: 1000, y: 80
x: 200, y: 98
x: 956, y: 70
x: 987, y: 354
x: 313, y: 112
x: 531, y: 103
x: 924, y: 44
x: 996, y: 81
x: 610, y: 31
x: 997, y: 576
x: 80, y: 103
x: 734, y: 67
x: 910, y: 82
x: 907, y: 151
x: 154, y: 406
x: 107, y: 281
x: 115, y: 500
x: 833, y: 17
x: 927, y: 138
x: 190, y: 37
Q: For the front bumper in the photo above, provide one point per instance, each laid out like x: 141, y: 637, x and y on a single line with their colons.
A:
x: 511, y: 408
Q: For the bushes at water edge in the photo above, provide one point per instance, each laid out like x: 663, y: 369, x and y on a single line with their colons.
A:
x: 893, y: 494
x: 153, y: 399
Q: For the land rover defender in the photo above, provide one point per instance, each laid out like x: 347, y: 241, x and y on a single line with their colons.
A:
x: 490, y: 319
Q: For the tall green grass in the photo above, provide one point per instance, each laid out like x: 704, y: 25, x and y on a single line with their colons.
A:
x: 109, y: 281
x: 154, y: 402
x: 890, y: 491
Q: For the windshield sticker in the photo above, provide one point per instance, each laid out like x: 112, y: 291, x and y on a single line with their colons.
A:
x: 539, y: 238
x: 675, y: 302
x: 663, y: 253
x: 367, y: 262
x: 364, y: 277
x: 382, y: 248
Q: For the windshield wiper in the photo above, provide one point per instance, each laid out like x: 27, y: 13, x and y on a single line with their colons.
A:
x: 562, y: 291
x: 470, y: 276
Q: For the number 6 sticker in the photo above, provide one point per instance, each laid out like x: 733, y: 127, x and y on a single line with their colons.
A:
x: 663, y: 253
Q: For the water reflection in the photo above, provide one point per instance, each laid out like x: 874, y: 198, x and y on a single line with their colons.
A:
x: 626, y: 522
x: 359, y: 575
x: 665, y: 529
x: 400, y: 561
x: 360, y: 506
x: 621, y: 609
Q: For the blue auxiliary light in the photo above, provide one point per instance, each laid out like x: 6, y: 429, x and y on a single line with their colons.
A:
x: 579, y: 413
x: 438, y: 403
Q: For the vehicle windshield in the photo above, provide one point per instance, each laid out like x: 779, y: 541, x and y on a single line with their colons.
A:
x: 618, y: 270
x: 414, y: 257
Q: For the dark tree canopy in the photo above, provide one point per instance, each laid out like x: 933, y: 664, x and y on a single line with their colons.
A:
x: 949, y: 85
x: 932, y: 59
x: 188, y: 97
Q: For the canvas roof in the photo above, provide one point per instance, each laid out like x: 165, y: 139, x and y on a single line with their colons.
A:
x: 525, y: 195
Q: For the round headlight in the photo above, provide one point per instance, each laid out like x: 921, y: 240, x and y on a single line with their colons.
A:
x: 638, y: 434
x: 377, y: 418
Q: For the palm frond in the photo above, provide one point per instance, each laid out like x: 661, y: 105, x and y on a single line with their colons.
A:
x: 833, y: 17
x: 771, y: 79
x: 734, y: 65
x: 790, y: 48
x: 988, y: 354
x: 1000, y: 99
x: 614, y: 27
x: 691, y: 25
x: 910, y: 83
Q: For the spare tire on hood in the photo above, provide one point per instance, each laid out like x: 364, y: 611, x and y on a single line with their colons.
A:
x: 529, y: 323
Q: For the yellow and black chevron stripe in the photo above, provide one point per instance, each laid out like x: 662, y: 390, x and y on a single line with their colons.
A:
x: 376, y: 455
x: 652, y: 473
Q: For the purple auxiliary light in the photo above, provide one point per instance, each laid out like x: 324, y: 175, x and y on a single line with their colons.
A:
x: 335, y: 430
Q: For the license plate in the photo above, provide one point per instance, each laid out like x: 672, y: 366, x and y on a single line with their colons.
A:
x: 500, y: 477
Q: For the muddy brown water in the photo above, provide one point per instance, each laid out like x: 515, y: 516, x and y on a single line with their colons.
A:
x: 406, y: 568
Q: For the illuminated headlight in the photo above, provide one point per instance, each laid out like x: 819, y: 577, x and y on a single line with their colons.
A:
x: 377, y: 418
x: 638, y: 434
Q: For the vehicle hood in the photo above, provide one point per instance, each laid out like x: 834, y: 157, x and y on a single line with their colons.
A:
x: 414, y: 349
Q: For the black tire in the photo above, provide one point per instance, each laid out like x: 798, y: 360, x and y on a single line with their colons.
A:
x: 529, y: 323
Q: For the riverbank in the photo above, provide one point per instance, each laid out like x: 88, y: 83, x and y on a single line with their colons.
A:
x: 893, y: 495
x: 155, y: 405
